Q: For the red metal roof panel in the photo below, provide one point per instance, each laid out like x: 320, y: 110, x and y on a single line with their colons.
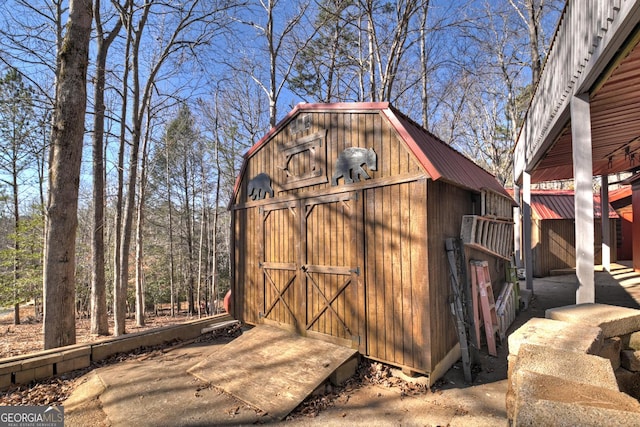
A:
x: 559, y: 204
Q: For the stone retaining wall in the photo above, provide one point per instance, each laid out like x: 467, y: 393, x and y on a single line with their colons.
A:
x: 578, y: 366
x: 26, y: 368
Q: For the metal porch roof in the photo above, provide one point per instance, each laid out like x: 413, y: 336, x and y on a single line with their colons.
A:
x: 559, y: 204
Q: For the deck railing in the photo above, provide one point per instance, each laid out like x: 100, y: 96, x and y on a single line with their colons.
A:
x: 583, y: 26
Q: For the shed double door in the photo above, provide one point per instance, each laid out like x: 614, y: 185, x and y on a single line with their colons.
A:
x: 311, y: 268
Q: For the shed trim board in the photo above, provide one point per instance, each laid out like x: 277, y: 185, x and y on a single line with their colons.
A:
x: 355, y: 255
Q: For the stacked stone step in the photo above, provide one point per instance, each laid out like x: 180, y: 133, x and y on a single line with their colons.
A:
x: 621, y: 329
x: 561, y: 372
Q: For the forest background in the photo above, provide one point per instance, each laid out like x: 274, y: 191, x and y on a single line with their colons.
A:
x: 177, y: 91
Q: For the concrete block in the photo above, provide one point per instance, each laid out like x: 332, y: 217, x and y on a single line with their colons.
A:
x: 611, y: 350
x: 547, y: 400
x: 580, y: 368
x: 73, y: 364
x: 630, y: 359
x: 557, y: 334
x: 75, y: 352
x: 344, y: 372
x: 631, y: 341
x: 612, y: 319
x: 25, y: 376
x: 5, y: 380
x: 45, y: 371
x: 8, y: 368
x: 629, y: 382
x: 36, y: 362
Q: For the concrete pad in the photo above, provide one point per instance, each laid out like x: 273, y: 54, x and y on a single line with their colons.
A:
x: 547, y: 400
x: 612, y: 319
x: 630, y: 360
x: 285, y: 368
x: 91, y: 388
x: 159, y: 392
x: 575, y: 367
x: 557, y: 334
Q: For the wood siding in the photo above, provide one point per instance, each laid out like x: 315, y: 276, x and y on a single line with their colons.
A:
x: 398, y: 306
x: 553, y: 244
x: 446, y: 206
x: 363, y: 263
x: 336, y: 131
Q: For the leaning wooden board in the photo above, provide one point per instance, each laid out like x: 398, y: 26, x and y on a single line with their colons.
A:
x: 272, y: 369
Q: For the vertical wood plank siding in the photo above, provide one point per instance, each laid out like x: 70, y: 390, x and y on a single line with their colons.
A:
x: 553, y: 244
x: 366, y: 265
x: 446, y: 206
x: 398, y: 308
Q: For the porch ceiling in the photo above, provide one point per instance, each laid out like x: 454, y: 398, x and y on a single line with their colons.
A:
x: 615, y: 127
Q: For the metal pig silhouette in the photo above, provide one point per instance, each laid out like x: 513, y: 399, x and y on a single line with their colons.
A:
x: 349, y: 165
x: 259, y: 187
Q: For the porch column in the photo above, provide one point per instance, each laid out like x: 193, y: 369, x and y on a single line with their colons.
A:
x: 583, y: 176
x: 526, y: 229
x: 605, y: 226
x: 517, y: 228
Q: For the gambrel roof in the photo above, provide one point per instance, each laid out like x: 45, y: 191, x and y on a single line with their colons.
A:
x: 439, y: 160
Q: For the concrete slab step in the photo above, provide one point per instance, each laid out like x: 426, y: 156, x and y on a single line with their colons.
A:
x: 613, y: 320
x: 547, y: 400
x: 557, y: 334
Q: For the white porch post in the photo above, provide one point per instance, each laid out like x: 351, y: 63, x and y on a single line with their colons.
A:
x: 583, y: 176
x: 606, y: 232
x: 517, y: 228
x: 526, y: 229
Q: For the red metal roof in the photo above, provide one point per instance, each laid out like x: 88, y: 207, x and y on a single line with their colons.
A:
x: 559, y: 204
x: 439, y: 160
x: 620, y: 193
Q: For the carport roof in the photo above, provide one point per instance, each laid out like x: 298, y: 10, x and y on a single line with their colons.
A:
x: 559, y: 204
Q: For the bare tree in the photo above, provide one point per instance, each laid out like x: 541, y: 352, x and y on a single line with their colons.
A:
x: 64, y: 178
x: 99, y: 321
x: 185, y: 27
x: 277, y: 34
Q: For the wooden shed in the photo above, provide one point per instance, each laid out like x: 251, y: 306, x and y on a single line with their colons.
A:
x: 621, y: 201
x: 340, y: 214
x: 553, y: 231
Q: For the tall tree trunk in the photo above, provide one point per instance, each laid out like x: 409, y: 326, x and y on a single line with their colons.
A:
x: 140, y: 222
x: 64, y: 178
x: 189, y: 227
x: 120, y: 289
x: 533, y: 24
x: 16, y: 241
x: 99, y: 319
x: 172, y: 290
x: 424, y: 74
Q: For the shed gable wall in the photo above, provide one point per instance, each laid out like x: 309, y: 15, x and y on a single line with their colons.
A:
x: 299, y: 159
